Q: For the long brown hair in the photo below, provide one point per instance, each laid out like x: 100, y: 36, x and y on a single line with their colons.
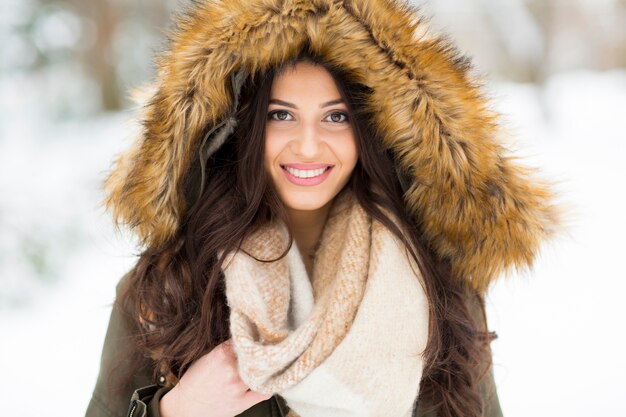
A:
x: 176, y: 292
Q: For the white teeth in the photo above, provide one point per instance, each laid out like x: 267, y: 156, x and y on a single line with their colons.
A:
x: 305, y: 173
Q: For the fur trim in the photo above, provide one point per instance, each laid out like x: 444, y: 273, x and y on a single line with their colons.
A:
x: 478, y: 209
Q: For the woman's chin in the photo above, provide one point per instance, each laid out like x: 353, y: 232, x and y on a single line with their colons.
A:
x: 305, y: 203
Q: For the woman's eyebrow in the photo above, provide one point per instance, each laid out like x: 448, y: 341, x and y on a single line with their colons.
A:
x: 293, y: 106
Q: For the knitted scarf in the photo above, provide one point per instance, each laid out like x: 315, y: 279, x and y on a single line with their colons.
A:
x: 346, y: 342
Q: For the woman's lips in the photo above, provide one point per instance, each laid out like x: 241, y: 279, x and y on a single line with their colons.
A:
x: 307, y: 181
x: 306, y: 166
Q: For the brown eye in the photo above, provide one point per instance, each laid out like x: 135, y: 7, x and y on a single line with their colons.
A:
x: 338, y: 117
x: 279, y: 115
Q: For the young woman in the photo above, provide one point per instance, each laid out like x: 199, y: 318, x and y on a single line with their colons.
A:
x: 323, y: 202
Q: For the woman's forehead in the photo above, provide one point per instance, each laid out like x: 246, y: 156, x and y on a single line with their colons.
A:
x: 305, y: 80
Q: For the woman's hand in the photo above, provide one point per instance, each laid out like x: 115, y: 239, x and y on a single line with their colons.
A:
x: 211, y: 387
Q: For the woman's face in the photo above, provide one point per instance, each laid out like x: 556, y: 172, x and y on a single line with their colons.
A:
x: 310, y: 148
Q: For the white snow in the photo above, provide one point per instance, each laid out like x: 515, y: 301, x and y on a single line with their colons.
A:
x: 559, y: 353
x: 561, y: 350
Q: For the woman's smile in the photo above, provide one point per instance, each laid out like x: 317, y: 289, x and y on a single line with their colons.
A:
x: 307, y: 177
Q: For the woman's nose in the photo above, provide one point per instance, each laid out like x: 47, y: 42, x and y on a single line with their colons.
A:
x: 307, y: 143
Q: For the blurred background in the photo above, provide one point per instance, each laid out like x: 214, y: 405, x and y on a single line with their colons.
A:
x: 555, y: 69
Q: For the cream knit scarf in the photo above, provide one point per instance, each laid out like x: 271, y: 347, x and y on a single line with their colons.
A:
x: 347, y: 342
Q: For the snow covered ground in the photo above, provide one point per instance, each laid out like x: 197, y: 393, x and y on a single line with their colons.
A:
x: 559, y: 351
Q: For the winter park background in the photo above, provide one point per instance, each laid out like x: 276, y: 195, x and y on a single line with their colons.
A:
x: 556, y: 69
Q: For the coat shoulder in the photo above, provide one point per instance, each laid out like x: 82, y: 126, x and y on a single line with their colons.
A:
x: 125, y: 378
x: 121, y: 371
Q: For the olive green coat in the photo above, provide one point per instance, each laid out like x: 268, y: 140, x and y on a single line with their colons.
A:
x: 140, y: 397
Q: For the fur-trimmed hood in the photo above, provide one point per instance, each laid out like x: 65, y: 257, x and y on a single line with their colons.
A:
x: 478, y: 209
